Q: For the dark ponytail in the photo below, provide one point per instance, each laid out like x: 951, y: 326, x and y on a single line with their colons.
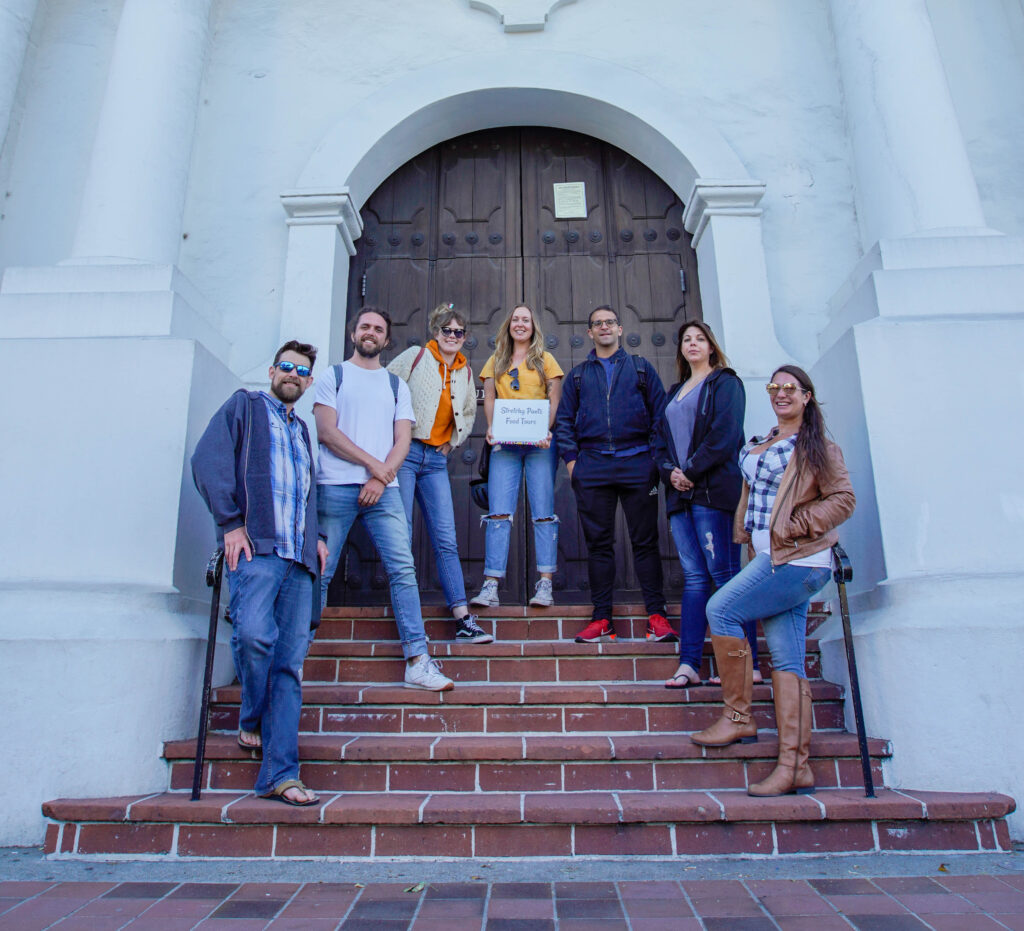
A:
x: 810, y: 442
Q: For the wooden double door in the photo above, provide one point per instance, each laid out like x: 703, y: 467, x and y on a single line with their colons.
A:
x: 472, y: 221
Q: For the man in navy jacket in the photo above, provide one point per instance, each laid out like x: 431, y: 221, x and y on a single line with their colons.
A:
x: 605, y: 425
x: 254, y: 468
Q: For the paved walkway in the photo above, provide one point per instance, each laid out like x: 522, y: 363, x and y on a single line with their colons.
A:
x: 894, y: 903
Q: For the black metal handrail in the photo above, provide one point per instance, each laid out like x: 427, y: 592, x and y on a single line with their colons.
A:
x: 843, y: 573
x: 214, y: 571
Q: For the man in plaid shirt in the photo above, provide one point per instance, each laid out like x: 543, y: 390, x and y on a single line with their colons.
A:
x: 254, y: 468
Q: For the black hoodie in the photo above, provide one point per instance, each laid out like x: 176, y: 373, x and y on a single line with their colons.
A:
x: 712, y: 462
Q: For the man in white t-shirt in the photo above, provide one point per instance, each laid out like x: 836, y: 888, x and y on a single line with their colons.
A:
x: 364, y: 427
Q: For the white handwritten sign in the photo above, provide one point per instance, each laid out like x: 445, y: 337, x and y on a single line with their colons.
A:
x: 523, y: 422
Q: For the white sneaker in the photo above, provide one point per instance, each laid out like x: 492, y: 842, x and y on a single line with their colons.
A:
x: 488, y: 597
x: 543, y: 596
x: 425, y: 673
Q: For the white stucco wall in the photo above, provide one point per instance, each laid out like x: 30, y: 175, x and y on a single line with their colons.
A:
x: 982, y: 48
x: 60, y: 97
x: 278, y: 77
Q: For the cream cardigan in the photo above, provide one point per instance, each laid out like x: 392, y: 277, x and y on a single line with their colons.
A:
x: 425, y: 387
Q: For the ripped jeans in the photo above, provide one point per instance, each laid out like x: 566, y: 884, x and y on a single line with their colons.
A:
x: 703, y: 538
x: 508, y: 463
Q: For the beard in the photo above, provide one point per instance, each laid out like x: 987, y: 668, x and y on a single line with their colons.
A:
x: 369, y: 348
x: 287, y: 391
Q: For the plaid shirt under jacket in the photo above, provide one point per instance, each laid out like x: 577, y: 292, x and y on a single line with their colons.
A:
x: 764, y: 475
x: 289, y: 478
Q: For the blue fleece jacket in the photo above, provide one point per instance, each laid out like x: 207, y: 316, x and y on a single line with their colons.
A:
x: 594, y: 414
x: 231, y: 469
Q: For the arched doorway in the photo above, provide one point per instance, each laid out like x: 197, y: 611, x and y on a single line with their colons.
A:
x: 473, y: 221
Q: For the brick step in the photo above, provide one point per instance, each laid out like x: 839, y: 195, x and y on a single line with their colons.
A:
x: 500, y: 824
x: 561, y: 622
x: 522, y: 709
x: 480, y: 763
x: 363, y: 661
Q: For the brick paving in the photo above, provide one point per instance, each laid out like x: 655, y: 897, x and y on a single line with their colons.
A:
x: 895, y: 903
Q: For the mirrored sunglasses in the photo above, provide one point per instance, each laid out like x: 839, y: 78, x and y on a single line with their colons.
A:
x: 288, y: 367
x: 787, y: 388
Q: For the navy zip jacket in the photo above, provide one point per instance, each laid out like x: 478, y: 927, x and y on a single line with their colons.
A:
x: 231, y: 469
x: 607, y: 417
x: 712, y: 461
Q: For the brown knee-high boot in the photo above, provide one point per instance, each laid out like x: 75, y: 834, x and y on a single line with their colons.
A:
x: 793, y: 715
x: 736, y: 669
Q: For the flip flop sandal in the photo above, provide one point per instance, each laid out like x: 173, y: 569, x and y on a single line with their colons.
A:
x: 252, y: 748
x: 684, y: 680
x: 277, y: 794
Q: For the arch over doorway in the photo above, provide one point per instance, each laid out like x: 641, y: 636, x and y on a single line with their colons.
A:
x: 472, y: 220
x: 650, y: 122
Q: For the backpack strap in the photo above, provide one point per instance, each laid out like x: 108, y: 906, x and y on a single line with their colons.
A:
x: 641, y: 372
x: 638, y: 365
x: 339, y: 373
x: 416, y: 361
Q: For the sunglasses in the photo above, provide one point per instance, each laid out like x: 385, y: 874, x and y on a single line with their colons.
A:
x: 514, y: 375
x: 604, y: 324
x: 788, y: 388
x: 454, y: 332
x: 286, y: 367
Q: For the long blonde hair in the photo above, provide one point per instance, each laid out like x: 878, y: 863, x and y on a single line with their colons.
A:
x: 504, y: 345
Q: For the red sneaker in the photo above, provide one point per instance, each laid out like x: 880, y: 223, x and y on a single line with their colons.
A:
x: 599, y: 631
x: 658, y: 628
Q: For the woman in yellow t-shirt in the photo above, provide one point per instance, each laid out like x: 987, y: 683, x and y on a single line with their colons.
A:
x: 520, y: 370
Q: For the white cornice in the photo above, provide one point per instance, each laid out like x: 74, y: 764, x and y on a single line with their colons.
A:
x: 713, y: 198
x: 520, y: 15
x: 323, y: 208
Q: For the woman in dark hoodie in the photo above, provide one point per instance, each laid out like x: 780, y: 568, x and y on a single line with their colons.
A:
x: 700, y: 434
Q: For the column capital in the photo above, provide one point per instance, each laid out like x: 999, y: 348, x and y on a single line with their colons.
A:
x: 325, y: 208
x: 714, y: 198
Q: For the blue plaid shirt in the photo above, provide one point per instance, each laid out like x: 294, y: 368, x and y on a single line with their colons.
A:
x: 289, y: 478
x: 764, y: 475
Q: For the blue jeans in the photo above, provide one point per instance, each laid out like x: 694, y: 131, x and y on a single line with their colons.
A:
x: 703, y: 538
x: 508, y: 463
x: 779, y: 598
x: 424, y: 476
x: 271, y: 599
x: 337, y: 509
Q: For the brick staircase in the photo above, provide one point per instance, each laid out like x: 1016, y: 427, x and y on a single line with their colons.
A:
x: 544, y: 748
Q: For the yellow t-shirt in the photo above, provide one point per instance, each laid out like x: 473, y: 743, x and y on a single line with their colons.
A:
x: 531, y: 387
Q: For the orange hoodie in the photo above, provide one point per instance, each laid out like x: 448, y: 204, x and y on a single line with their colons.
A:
x: 444, y: 421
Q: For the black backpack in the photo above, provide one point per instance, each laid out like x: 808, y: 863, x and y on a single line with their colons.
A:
x: 638, y: 364
x: 392, y: 377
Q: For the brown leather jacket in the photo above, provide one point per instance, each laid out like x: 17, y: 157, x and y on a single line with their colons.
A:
x: 806, y: 512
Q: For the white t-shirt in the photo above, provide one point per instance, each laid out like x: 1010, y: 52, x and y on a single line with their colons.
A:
x: 366, y: 412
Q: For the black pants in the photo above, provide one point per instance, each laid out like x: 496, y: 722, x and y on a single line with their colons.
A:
x: 600, y: 485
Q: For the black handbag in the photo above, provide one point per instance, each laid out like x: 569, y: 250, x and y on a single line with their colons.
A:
x: 478, y: 487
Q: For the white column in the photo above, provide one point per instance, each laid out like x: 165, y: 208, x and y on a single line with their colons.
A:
x: 322, y: 230
x: 910, y: 161
x: 725, y: 220
x: 135, y: 191
x: 16, y: 18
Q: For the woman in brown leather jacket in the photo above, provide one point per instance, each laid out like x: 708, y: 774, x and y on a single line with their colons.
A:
x: 796, y: 491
